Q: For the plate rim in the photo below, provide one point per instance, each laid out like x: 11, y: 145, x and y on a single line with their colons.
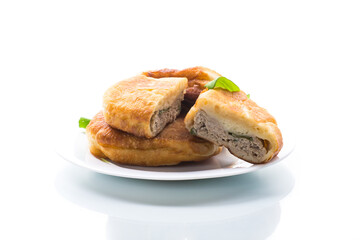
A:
x: 63, y: 152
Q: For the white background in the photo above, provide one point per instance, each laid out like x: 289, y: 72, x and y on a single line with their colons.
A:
x: 298, y: 59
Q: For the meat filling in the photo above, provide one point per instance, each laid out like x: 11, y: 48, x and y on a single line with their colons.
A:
x: 165, y: 116
x: 242, y: 145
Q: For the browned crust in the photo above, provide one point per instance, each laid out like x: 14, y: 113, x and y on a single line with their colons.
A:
x: 130, y: 104
x: 237, y: 109
x: 197, y: 78
x: 172, y: 146
x: 239, y: 103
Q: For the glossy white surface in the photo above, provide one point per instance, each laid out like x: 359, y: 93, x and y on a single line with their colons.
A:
x: 298, y: 59
x: 73, y: 147
x: 202, y: 209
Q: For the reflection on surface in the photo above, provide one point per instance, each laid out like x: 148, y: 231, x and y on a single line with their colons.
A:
x: 238, y: 207
x: 256, y: 225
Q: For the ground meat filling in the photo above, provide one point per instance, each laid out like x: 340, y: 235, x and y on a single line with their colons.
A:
x: 244, y: 146
x: 164, y: 116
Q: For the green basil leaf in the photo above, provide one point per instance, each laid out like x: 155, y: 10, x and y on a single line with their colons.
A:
x: 241, y: 136
x: 83, y: 122
x: 104, y: 160
x: 248, y: 96
x: 224, y: 83
x: 211, y: 85
x: 193, y: 132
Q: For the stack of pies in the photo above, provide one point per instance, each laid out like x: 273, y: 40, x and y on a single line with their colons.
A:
x: 168, y: 116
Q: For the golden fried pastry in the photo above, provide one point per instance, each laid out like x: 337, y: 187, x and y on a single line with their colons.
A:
x: 173, y: 145
x: 233, y: 120
x: 197, y: 78
x: 143, y: 105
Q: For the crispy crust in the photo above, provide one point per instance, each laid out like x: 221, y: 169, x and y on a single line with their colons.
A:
x: 237, y: 113
x: 130, y: 104
x: 172, y: 146
x: 197, y: 78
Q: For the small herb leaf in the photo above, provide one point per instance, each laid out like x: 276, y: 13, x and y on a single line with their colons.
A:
x: 211, y: 85
x: 104, y: 160
x: 83, y: 122
x: 241, y: 136
x: 193, y: 132
x: 248, y: 96
x: 224, y: 83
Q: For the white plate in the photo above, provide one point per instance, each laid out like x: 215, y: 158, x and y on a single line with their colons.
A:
x: 74, y: 148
